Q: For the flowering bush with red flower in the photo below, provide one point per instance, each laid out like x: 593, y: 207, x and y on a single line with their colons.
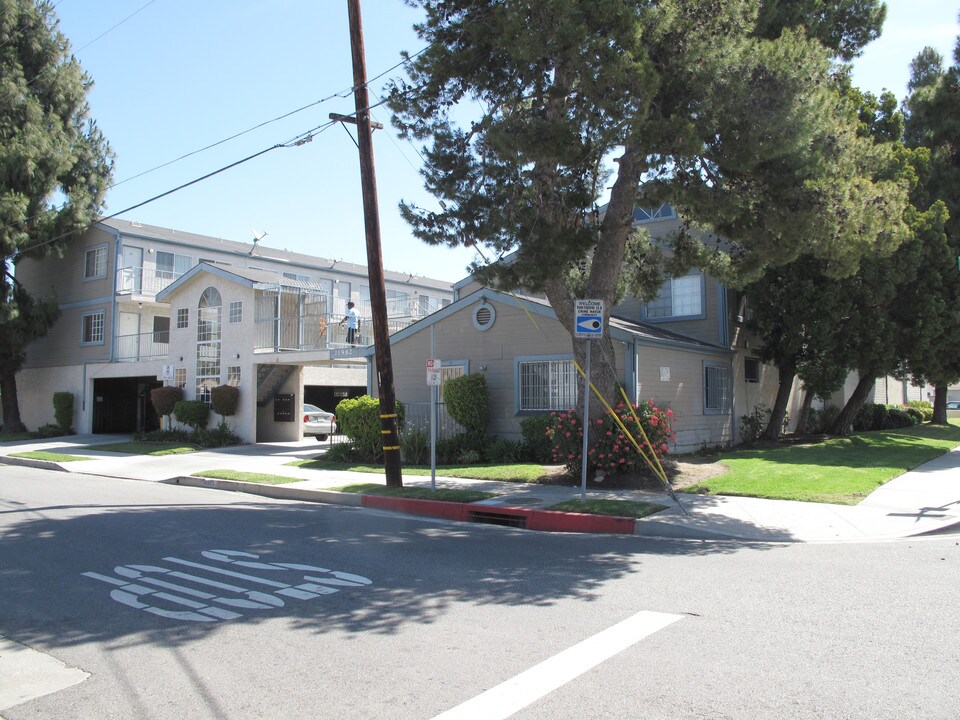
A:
x: 611, y: 451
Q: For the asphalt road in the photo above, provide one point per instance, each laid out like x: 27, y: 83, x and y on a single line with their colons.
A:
x: 349, y: 613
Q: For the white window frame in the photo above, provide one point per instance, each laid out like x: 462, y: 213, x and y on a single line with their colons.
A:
x: 560, y: 372
x: 235, y: 314
x: 96, y: 328
x: 714, y: 372
x: 183, y: 318
x: 99, y: 262
x: 754, y: 362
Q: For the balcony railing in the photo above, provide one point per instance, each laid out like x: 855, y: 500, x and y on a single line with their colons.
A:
x: 143, y: 346
x: 143, y: 281
x: 317, y: 332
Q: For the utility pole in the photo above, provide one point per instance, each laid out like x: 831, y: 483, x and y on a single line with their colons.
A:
x: 371, y: 219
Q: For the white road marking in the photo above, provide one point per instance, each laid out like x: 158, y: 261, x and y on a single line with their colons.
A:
x: 130, y: 593
x: 516, y: 693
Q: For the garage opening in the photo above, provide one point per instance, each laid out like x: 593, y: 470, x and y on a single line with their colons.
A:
x: 122, y: 405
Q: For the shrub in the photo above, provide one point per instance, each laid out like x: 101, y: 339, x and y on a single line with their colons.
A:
x: 191, y: 412
x: 359, y: 419
x: 869, y: 418
x: 468, y: 401
x: 610, y: 450
x: 897, y: 416
x: 924, y: 408
x: 415, y: 446
x: 63, y: 411
x: 820, y: 419
x: 220, y: 436
x: 49, y: 431
x: 163, y: 436
x: 462, y: 449
x: 536, y: 440
x: 504, y: 451
x: 752, y: 425
x: 224, y: 400
x: 164, y: 398
x: 342, y: 452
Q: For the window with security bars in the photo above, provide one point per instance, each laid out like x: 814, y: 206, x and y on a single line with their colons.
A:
x: 547, y: 385
x: 678, y: 297
x: 716, y: 389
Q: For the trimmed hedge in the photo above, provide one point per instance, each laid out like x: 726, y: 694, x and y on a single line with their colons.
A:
x: 468, y: 401
x: 359, y: 419
x: 192, y: 412
x: 63, y: 411
x: 224, y: 399
x: 537, y: 444
x: 165, y: 398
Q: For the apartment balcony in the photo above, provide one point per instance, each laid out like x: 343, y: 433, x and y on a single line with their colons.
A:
x: 318, y: 332
x: 143, y: 282
x: 142, y: 346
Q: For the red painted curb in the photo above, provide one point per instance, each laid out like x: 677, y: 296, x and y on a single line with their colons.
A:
x: 543, y: 520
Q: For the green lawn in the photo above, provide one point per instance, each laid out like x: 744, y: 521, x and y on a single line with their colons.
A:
x: 841, y: 470
x: 263, y: 478
x: 416, y: 493
x: 51, y: 456
x: 516, y: 472
x: 620, y: 508
x: 143, y: 447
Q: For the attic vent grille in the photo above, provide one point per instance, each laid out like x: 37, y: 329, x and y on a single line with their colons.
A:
x: 483, y: 317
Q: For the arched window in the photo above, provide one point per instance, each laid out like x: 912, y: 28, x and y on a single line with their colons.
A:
x: 209, y: 318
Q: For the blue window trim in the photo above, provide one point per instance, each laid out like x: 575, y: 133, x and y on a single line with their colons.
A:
x: 674, y: 318
x: 103, y: 328
x: 729, y: 383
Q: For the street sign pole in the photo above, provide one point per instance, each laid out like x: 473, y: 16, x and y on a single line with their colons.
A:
x: 586, y: 426
x: 433, y: 415
x: 587, y: 325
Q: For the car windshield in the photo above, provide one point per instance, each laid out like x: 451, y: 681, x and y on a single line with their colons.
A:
x: 311, y: 408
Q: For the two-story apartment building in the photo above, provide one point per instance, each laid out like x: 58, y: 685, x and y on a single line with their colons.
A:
x: 143, y: 305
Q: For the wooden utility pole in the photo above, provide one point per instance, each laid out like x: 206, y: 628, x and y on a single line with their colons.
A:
x: 371, y: 219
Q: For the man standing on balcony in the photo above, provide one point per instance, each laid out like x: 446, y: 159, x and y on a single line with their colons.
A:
x: 352, y: 319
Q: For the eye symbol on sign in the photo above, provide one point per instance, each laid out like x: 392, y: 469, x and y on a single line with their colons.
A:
x: 590, y: 324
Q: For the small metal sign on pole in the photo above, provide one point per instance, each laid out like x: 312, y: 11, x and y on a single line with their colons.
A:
x: 588, y: 325
x: 433, y: 381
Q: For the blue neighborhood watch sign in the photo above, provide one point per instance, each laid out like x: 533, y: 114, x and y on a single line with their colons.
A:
x: 588, y: 318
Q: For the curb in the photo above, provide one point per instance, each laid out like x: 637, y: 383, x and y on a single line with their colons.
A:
x: 523, y: 518
x: 30, y: 462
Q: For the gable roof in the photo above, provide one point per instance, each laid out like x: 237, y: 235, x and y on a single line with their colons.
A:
x: 620, y: 328
x: 248, y: 277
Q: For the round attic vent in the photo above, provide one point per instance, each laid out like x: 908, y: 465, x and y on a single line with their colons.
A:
x: 483, y: 317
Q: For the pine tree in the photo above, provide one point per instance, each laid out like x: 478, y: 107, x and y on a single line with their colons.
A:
x: 55, y: 166
x: 729, y: 115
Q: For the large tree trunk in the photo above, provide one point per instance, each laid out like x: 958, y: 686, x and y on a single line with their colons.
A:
x: 940, y: 405
x: 779, y: 412
x: 843, y: 424
x: 11, y: 405
x: 803, y: 416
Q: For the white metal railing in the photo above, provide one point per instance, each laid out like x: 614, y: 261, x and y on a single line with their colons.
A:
x: 142, y: 346
x: 317, y: 332
x: 143, y: 281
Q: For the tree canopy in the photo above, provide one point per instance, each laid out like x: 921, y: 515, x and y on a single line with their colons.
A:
x: 55, y: 166
x: 725, y: 108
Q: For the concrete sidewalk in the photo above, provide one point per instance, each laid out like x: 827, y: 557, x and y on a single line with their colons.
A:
x: 924, y: 500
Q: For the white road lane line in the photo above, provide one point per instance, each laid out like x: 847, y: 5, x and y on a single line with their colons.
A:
x: 516, y: 693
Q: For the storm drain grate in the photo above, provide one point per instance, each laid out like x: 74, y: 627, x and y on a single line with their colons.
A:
x: 491, y: 517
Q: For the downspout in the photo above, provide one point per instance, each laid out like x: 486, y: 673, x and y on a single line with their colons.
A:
x: 114, y: 311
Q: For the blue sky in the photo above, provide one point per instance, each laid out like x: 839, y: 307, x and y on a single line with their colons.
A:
x: 180, y: 75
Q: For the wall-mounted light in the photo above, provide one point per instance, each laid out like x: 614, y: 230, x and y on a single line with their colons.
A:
x: 483, y: 368
x: 237, y: 356
x: 181, y: 358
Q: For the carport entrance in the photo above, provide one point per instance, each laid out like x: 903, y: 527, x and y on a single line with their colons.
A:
x: 122, y: 405
x: 326, y: 397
